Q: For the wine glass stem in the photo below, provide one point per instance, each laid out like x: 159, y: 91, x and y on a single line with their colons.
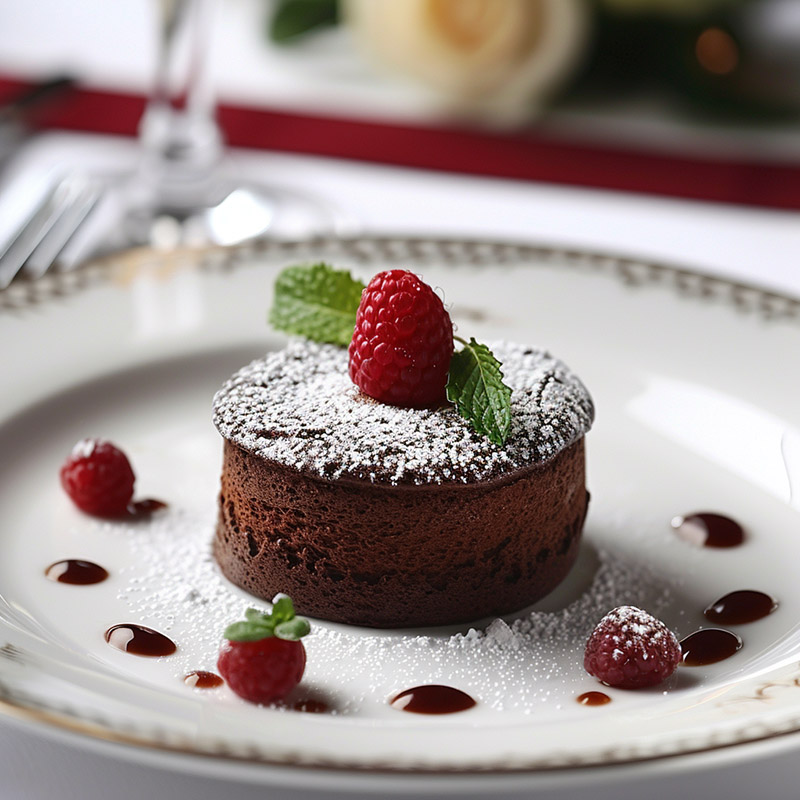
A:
x: 181, y: 140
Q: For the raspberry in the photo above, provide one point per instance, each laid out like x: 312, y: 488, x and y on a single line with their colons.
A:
x: 263, y: 658
x: 262, y: 671
x: 403, y: 341
x: 630, y: 649
x: 98, y: 477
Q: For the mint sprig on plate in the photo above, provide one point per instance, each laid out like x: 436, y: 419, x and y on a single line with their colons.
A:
x: 320, y: 303
x: 281, y: 623
x: 316, y: 301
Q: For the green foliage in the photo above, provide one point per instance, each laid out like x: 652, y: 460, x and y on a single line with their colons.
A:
x: 293, y: 19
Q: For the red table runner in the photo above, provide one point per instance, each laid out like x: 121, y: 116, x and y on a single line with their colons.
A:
x: 521, y: 156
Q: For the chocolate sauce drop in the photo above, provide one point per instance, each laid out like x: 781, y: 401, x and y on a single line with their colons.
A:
x: 709, y: 645
x: 704, y: 529
x: 76, y: 571
x: 432, y: 699
x: 142, y: 509
x: 593, y: 699
x: 311, y: 706
x: 139, y: 640
x: 738, y: 608
x: 200, y: 679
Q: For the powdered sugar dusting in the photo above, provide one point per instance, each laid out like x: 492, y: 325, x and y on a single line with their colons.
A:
x: 635, y: 626
x: 517, y: 664
x: 614, y: 579
x: 298, y: 407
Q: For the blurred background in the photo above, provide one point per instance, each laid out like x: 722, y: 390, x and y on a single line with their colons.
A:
x: 684, y: 98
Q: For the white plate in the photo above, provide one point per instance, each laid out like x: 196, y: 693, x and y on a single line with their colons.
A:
x: 697, y: 409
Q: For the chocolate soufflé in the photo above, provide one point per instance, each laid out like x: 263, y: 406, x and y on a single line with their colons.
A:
x: 375, y: 515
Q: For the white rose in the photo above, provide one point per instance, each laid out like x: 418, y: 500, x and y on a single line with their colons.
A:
x: 496, y: 59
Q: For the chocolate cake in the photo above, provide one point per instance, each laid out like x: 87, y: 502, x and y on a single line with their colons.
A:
x: 382, y: 516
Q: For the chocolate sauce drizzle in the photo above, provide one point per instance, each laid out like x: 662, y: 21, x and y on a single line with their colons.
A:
x: 708, y: 646
x: 704, y: 529
x: 432, y: 699
x: 200, y: 679
x: 76, y: 571
x: 144, y: 509
x: 593, y: 699
x: 139, y: 640
x: 739, y: 608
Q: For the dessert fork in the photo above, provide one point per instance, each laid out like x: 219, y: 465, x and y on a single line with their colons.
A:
x: 42, y: 237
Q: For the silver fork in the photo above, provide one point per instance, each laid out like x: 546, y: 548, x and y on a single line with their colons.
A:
x: 44, y: 234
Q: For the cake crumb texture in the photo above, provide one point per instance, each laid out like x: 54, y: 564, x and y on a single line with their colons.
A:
x: 387, y: 556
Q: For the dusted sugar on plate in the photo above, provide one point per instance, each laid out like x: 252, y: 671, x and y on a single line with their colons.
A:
x: 390, y: 516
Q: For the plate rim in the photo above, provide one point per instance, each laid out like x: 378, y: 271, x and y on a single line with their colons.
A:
x: 631, y: 270
x: 686, y: 282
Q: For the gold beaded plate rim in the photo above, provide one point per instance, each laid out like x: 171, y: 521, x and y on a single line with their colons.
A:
x: 773, y: 307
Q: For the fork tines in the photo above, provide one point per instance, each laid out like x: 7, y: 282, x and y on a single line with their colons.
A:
x: 50, y: 226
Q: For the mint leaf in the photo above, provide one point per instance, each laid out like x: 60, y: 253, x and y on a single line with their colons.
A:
x: 293, y: 629
x: 475, y: 385
x: 282, y: 609
x: 281, y: 623
x: 295, y: 18
x: 316, y: 301
x: 248, y: 632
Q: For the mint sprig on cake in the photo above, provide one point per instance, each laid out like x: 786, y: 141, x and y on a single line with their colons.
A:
x: 317, y: 302
x: 400, y: 342
x: 475, y: 385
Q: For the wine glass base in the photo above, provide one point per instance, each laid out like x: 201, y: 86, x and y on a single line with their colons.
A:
x: 130, y: 217
x: 236, y: 215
